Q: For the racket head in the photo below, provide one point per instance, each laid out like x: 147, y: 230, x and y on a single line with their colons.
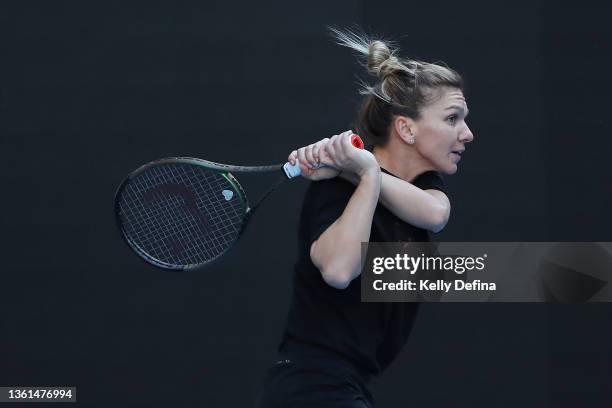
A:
x: 180, y: 213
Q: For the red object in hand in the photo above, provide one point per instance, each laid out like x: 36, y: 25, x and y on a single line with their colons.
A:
x: 356, y: 141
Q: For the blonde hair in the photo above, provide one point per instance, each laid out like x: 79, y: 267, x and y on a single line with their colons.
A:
x: 403, y: 86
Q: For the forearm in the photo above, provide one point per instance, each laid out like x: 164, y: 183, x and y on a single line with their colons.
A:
x: 410, y: 203
x: 337, y: 252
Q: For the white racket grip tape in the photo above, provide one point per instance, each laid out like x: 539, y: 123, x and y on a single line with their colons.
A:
x: 293, y: 170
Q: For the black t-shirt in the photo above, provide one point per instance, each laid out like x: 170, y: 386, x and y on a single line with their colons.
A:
x: 333, y: 323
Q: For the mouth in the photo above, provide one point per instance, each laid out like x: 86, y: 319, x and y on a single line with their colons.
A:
x: 458, y: 152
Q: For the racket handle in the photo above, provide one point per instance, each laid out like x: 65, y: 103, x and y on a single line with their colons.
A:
x: 293, y: 170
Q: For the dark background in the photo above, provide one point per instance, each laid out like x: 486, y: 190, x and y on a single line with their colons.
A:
x: 89, y: 91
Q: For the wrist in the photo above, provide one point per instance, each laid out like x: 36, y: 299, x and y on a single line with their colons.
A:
x: 370, y: 173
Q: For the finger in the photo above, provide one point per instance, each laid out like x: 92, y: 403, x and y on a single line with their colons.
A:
x: 316, y: 150
x: 309, y: 157
x: 339, y: 149
x: 302, y: 156
x: 337, y: 141
x: 330, y: 145
x: 292, y: 157
x: 304, y: 170
x: 323, y: 141
x: 346, y: 139
x: 330, y: 152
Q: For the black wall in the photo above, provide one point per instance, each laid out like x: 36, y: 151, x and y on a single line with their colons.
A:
x: 89, y: 91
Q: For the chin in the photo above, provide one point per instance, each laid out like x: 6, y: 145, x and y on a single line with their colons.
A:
x: 448, y: 169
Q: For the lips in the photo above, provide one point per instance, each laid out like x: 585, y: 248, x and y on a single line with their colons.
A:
x: 457, y: 153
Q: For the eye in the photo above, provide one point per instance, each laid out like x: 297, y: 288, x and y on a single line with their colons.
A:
x: 452, y: 119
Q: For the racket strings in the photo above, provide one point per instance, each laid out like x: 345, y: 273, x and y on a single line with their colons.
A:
x: 181, y: 214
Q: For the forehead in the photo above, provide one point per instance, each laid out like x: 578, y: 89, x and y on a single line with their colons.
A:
x: 449, y: 97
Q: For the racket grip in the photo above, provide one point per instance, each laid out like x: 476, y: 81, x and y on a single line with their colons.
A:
x: 293, y: 170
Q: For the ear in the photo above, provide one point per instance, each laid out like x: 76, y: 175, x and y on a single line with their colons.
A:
x: 405, y: 127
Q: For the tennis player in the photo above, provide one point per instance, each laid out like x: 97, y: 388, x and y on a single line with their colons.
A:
x: 414, y: 117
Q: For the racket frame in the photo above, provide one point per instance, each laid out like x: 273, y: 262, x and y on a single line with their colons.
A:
x: 223, y: 170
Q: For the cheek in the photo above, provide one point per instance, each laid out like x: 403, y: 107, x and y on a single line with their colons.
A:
x: 438, y: 141
x: 436, y: 144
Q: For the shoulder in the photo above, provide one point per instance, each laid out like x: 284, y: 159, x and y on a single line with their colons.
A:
x: 430, y: 180
x: 324, y: 202
x: 331, y: 189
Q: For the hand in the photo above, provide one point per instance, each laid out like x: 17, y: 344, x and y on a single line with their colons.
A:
x: 314, y: 162
x: 341, y: 154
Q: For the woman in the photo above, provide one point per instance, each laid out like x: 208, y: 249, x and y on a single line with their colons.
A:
x: 414, y: 116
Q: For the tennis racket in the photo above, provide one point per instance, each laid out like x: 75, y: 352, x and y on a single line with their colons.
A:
x: 182, y: 213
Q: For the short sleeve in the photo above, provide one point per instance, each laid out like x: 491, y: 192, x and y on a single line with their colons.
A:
x: 324, y: 204
x: 430, y: 180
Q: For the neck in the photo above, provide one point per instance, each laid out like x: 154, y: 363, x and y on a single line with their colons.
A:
x: 402, y: 160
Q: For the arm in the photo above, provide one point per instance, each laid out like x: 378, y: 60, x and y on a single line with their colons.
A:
x: 427, y: 209
x: 337, y: 252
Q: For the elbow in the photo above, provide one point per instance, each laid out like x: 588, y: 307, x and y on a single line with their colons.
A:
x: 333, y: 271
x: 437, y: 226
x: 335, y: 278
x: 439, y: 219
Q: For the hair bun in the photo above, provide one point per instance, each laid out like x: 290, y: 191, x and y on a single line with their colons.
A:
x: 381, y: 61
x: 378, y: 54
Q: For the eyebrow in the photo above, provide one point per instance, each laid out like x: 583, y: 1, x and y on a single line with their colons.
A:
x: 467, y: 111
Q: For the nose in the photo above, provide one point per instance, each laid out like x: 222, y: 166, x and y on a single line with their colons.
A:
x: 467, y: 136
